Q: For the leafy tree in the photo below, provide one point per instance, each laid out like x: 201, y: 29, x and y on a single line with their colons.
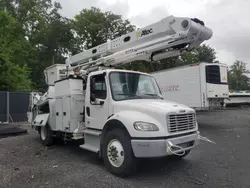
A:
x: 13, y: 77
x: 237, y: 78
x: 13, y: 48
x: 203, y: 53
x: 32, y: 15
x: 93, y: 27
x: 189, y: 57
x: 46, y: 31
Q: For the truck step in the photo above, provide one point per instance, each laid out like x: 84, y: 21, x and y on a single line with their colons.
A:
x: 89, y: 147
x: 92, y: 132
x: 91, y: 140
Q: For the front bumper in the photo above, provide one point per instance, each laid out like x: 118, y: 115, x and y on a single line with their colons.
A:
x: 146, y: 148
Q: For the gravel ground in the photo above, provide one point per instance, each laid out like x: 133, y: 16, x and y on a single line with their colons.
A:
x: 24, y: 162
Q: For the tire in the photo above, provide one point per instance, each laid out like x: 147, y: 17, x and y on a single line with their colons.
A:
x: 178, y: 157
x: 46, y: 135
x: 117, y: 142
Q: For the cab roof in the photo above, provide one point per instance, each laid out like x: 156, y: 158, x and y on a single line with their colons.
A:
x: 119, y: 70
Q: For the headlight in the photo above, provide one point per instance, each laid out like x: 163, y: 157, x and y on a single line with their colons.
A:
x: 145, y: 126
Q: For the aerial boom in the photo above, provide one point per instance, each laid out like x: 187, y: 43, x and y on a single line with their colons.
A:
x: 168, y: 37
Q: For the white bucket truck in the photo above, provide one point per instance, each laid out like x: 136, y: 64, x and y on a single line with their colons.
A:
x: 120, y: 114
x: 201, y: 86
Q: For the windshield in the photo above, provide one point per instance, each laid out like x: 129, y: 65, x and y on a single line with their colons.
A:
x: 125, y: 85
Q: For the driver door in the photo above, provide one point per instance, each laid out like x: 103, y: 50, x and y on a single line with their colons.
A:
x: 96, y: 114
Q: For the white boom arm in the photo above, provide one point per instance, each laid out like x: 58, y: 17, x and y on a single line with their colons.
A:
x: 169, y: 37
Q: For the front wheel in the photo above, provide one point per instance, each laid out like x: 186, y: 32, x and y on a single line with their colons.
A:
x: 117, y: 153
x: 46, y: 135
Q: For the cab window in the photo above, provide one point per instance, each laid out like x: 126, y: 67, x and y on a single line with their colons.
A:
x: 100, y: 87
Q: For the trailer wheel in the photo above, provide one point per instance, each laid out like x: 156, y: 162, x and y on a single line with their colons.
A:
x: 117, y: 153
x: 46, y: 135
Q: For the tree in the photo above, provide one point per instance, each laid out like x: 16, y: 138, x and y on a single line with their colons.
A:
x: 237, y: 78
x: 32, y: 15
x: 93, y: 27
x: 13, y: 77
x: 13, y: 48
x: 203, y: 53
x: 46, y: 31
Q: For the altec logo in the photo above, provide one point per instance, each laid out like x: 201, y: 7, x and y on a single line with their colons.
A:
x: 144, y: 32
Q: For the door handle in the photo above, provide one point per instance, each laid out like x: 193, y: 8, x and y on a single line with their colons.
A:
x: 88, y: 111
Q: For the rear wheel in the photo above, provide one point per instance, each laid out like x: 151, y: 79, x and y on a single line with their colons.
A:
x: 117, y: 153
x: 46, y: 135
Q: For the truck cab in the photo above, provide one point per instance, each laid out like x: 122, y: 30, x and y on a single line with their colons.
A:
x: 126, y: 110
x: 122, y: 95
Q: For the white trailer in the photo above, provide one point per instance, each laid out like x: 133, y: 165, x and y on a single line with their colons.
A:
x: 240, y: 98
x: 201, y: 86
x: 111, y: 110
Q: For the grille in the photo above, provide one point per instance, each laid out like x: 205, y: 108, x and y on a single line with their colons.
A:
x: 181, y: 122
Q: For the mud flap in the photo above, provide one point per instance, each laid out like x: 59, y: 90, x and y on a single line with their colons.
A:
x: 41, y: 120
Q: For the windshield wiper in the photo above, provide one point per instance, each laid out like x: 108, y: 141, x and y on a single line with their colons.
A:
x: 129, y: 94
x: 153, y: 95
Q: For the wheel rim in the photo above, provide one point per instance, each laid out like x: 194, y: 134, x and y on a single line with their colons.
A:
x: 115, y: 153
x: 43, y: 133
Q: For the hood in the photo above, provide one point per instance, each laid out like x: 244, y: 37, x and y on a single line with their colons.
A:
x: 152, y: 106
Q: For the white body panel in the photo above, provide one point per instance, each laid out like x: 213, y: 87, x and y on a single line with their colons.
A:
x: 214, y: 90
x: 41, y: 120
x: 187, y: 85
x: 182, y: 86
x: 238, y: 98
x: 217, y: 91
x: 68, y: 87
x: 149, y: 110
x: 69, y: 111
x: 59, y: 114
x: 53, y: 110
x: 67, y: 106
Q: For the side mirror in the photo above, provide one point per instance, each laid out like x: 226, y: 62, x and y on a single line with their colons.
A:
x: 92, y: 85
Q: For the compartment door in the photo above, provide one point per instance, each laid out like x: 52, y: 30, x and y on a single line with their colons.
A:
x: 66, y: 106
x: 59, y: 114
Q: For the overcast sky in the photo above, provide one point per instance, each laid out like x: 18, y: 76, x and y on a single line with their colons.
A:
x: 229, y: 19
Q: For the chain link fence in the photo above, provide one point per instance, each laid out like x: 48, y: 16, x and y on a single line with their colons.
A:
x: 14, y: 106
